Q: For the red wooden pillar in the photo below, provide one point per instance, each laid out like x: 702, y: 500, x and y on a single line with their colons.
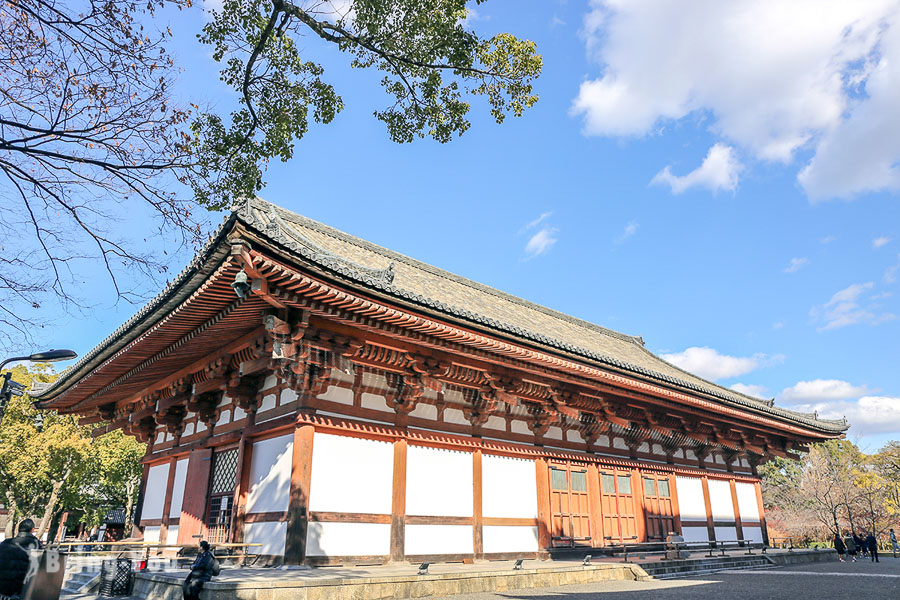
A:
x: 193, y: 508
x: 710, y: 524
x: 398, y: 502
x: 298, y: 508
x: 595, y: 505
x: 738, y: 526
x: 542, y: 473
x: 477, y: 512
x: 676, y: 510
x: 245, y: 455
x: 167, y: 503
x: 762, y: 514
x: 640, y: 516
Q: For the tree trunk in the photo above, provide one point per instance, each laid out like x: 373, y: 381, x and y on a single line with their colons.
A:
x: 13, y: 508
x: 51, y: 504
x: 129, y: 506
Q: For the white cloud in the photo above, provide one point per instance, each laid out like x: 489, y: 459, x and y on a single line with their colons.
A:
x: 821, y: 390
x: 850, y: 306
x: 541, y: 242
x: 777, y: 325
x: 890, y: 275
x: 628, y: 232
x: 827, y: 239
x: 719, y: 171
x: 881, y: 241
x: 709, y: 364
x: 796, y: 264
x: 866, y: 416
x: 770, y: 78
x: 538, y: 221
x: 757, y: 391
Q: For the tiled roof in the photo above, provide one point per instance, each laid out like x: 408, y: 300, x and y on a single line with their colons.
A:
x: 424, y: 284
x: 415, y: 282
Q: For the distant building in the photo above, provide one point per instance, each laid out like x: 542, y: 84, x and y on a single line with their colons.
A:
x: 359, y: 405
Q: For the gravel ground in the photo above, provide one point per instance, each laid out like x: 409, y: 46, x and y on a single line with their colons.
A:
x: 862, y: 579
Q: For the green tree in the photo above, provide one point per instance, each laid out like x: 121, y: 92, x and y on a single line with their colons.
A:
x: 89, y: 125
x: 54, y: 464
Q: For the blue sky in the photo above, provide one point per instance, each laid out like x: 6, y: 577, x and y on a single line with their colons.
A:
x: 720, y: 180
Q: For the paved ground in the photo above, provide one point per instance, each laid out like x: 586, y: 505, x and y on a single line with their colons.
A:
x: 815, y: 580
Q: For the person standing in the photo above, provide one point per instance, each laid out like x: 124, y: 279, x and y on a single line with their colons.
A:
x: 839, y: 546
x: 14, y: 564
x: 860, y: 545
x: 872, y: 545
x: 894, y: 545
x: 201, y: 572
x: 851, y: 547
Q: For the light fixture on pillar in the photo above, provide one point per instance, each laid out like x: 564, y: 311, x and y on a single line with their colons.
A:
x: 423, y: 568
x: 518, y: 565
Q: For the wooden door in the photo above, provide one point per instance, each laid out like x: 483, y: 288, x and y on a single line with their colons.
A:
x: 618, y: 507
x: 570, y: 518
x: 221, y: 497
x: 658, y: 509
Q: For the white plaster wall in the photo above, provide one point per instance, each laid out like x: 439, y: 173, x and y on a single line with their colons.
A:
x: 155, y: 492
x: 720, y: 500
x: 553, y: 433
x: 726, y: 534
x: 239, y: 413
x: 178, y: 488
x: 500, y: 538
x: 287, y: 396
x: 374, y: 402
x: 690, y: 498
x: 747, y: 505
x: 753, y: 534
x: 425, y: 411
x: 172, y: 535
x: 498, y: 423
x: 151, y: 534
x: 188, y: 430
x: 619, y: 444
x: 270, y: 475
x: 338, y: 394
x: 439, y: 539
x: 272, y: 535
x: 224, y: 418
x: 573, y: 435
x: 454, y: 415
x: 268, y: 403
x: 438, y: 482
x: 695, y: 534
x: 519, y: 427
x: 348, y: 539
x: 351, y: 475
x: 508, y: 487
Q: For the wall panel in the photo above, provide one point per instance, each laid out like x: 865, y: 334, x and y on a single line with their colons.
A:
x: 690, y: 499
x: 348, y: 539
x: 155, y: 492
x: 178, y: 488
x: 439, y: 482
x: 351, y: 475
x: 498, y: 538
x: 695, y: 534
x: 509, y: 488
x: 746, y: 495
x: 720, y: 500
x: 439, y: 539
x: 271, y: 535
x: 270, y: 475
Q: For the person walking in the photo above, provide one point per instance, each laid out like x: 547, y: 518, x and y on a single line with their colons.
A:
x: 839, y: 546
x: 872, y: 545
x: 894, y: 545
x: 202, y: 570
x: 860, y: 545
x: 851, y: 547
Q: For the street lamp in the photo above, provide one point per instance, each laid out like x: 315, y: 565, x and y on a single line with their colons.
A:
x: 12, y: 388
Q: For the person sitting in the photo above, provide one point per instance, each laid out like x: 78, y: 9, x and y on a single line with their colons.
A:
x: 14, y: 565
x: 201, y: 572
x: 25, y: 538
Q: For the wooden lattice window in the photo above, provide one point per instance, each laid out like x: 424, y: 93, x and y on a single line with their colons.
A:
x: 221, y: 497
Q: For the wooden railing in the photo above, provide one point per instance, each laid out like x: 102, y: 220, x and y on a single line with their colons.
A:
x: 647, y: 548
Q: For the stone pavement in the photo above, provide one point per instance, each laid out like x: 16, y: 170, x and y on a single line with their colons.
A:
x: 828, y: 580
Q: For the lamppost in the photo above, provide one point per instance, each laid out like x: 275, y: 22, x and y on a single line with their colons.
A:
x: 12, y: 388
